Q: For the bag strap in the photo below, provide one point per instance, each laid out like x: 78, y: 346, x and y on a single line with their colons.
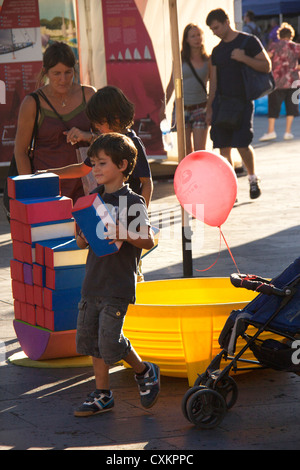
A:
x: 42, y: 94
x: 35, y: 127
x: 197, y: 76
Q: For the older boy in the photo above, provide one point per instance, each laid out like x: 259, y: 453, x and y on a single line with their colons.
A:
x: 109, y: 284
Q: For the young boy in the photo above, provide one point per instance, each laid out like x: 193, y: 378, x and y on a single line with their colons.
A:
x: 111, y: 111
x: 109, y: 284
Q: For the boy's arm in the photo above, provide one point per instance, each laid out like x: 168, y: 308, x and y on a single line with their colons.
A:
x: 143, y: 239
x: 77, y: 170
x: 81, y: 240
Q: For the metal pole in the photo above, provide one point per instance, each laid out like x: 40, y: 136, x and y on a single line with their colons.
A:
x: 180, y: 126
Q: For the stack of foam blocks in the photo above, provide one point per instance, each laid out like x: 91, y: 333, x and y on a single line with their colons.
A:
x: 47, y: 268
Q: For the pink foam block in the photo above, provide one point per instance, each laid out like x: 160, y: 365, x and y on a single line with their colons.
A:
x: 38, y: 295
x: 16, y: 270
x: 19, y: 309
x: 40, y: 316
x: 30, y: 314
x: 34, y: 211
x: 17, y: 248
x: 16, y: 230
x: 28, y: 253
x: 92, y: 216
x: 29, y: 294
x: 39, y: 274
x: 18, y: 290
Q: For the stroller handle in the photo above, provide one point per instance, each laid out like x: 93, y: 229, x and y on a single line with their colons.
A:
x: 258, y: 284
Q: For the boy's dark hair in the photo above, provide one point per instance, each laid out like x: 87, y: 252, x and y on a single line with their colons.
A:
x: 109, y: 104
x: 118, y: 147
x: 217, y: 15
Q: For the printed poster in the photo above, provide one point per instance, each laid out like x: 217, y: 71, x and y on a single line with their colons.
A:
x: 131, y: 66
x: 26, y: 28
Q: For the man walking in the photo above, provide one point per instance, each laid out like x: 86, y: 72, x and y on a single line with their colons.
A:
x: 226, y: 80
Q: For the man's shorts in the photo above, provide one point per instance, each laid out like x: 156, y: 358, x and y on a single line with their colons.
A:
x: 100, y: 328
x: 239, y: 138
x: 277, y: 97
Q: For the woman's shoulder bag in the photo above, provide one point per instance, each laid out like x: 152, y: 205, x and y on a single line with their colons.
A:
x: 13, y: 170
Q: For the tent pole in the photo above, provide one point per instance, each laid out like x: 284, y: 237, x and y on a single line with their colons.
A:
x: 180, y: 125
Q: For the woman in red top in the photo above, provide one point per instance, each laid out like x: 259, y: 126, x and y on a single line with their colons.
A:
x: 61, y: 131
x: 285, y: 55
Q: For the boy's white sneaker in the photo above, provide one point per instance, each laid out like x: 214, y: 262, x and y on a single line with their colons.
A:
x: 288, y: 136
x: 268, y: 136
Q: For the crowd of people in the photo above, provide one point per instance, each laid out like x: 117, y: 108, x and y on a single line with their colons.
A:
x: 75, y: 117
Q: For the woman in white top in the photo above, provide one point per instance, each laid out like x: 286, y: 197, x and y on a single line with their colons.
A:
x: 195, y: 74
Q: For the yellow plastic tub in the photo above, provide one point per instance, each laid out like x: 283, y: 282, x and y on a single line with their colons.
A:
x: 176, y: 323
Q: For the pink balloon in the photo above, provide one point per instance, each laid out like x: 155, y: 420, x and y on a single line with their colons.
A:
x: 206, y: 187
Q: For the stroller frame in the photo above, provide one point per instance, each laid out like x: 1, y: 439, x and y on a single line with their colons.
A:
x: 215, y: 391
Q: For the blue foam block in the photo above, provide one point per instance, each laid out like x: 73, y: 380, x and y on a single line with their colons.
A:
x: 61, y: 299
x: 92, y: 215
x: 61, y: 319
x: 33, y: 186
x: 65, y: 278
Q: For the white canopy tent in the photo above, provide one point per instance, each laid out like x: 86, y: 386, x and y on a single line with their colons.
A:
x: 155, y: 14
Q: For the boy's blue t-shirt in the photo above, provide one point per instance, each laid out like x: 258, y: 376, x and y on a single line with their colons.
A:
x: 141, y: 169
x: 115, y: 275
x: 229, y: 71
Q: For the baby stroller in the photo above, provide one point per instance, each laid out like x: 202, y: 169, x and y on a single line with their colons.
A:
x: 277, y: 310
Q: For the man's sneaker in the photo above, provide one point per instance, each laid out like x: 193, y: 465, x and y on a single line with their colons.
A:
x: 288, y: 136
x: 95, y: 403
x: 149, y: 385
x: 268, y: 136
x: 255, y: 191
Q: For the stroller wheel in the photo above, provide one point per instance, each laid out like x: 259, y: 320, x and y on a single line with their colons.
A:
x: 186, y: 398
x: 206, y: 408
x: 227, y: 387
x: 201, y: 379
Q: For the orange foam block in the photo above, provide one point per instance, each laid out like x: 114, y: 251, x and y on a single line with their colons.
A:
x: 40, y: 344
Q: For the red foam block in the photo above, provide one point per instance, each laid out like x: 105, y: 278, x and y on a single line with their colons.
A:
x: 33, y: 211
x: 18, y: 290
x: 16, y: 270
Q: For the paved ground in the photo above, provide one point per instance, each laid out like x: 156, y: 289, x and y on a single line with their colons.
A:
x: 36, y: 405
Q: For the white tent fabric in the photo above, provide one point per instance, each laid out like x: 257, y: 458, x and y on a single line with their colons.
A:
x: 155, y: 15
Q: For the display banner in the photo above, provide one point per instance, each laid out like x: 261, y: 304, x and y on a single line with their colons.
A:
x: 26, y: 28
x: 20, y: 63
x: 131, y: 65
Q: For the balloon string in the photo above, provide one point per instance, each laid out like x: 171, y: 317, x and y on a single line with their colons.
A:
x: 221, y: 233
x: 202, y: 270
